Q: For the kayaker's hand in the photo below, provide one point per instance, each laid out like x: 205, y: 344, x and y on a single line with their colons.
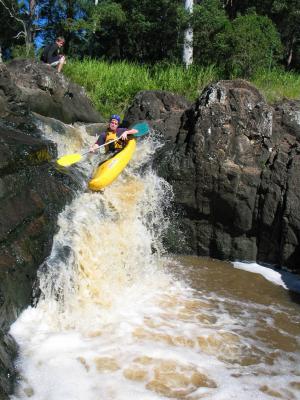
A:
x: 124, y: 135
x: 94, y: 147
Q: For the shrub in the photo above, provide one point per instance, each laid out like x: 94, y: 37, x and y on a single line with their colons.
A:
x: 249, y: 43
x: 21, y: 51
x: 209, y: 18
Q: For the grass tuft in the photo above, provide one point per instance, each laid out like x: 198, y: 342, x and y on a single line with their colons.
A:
x: 277, y: 84
x: 112, y: 86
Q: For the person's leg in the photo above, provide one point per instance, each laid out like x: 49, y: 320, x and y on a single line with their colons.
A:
x: 61, y: 63
x: 54, y: 64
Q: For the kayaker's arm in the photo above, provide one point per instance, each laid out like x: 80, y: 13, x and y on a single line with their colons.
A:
x: 100, y: 141
x: 126, y: 133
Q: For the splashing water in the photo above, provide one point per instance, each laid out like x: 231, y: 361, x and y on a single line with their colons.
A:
x: 113, y: 322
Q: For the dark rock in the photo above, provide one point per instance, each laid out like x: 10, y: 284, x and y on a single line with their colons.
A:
x: 32, y: 193
x: 8, y: 352
x: 51, y: 94
x: 233, y: 162
x: 288, y: 113
x: 163, y: 109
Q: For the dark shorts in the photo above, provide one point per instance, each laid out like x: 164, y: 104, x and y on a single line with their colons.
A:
x: 54, y: 61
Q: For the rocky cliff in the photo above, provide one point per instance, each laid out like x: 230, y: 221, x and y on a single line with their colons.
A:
x: 50, y: 94
x: 233, y: 162
x: 32, y: 191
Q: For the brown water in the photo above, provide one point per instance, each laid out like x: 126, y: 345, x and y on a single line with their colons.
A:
x: 265, y: 323
x: 119, y: 321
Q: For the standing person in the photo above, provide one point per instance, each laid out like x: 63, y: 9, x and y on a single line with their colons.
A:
x: 52, y: 54
x: 113, y: 132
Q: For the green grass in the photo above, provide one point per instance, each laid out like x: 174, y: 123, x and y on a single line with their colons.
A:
x: 277, y: 84
x: 112, y: 86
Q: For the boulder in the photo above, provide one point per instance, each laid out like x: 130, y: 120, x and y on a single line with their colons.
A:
x: 233, y: 163
x: 164, y: 110
x: 32, y: 193
x: 51, y: 94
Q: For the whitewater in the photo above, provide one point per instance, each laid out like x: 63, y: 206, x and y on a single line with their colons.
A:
x: 117, y: 318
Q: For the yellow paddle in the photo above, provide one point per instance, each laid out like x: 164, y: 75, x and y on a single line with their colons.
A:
x: 70, y: 159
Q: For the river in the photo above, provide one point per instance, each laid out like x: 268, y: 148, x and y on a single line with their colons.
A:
x: 118, y: 318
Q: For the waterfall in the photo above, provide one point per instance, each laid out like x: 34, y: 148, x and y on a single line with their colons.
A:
x: 117, y: 319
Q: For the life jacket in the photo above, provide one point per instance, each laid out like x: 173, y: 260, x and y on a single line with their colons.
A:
x: 118, y: 145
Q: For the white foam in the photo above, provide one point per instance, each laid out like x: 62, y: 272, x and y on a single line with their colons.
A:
x: 282, y: 278
x: 267, y: 273
x: 110, y: 309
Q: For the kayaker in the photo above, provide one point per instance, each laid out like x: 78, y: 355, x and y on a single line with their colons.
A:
x: 52, y: 54
x: 113, y: 132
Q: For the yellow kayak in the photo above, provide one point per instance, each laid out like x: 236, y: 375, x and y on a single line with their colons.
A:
x: 108, y: 171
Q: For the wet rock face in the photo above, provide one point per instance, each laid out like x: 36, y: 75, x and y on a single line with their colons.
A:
x: 229, y: 142
x: 8, y: 352
x: 32, y: 193
x: 51, y: 94
x: 163, y: 109
x: 233, y: 162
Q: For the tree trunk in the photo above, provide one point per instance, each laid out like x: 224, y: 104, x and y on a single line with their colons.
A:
x: 32, y: 7
x: 29, y: 31
x: 290, y: 52
x: 231, y: 8
x: 188, y: 37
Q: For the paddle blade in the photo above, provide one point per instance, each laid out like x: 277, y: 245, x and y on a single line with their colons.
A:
x: 69, y: 159
x: 142, y: 128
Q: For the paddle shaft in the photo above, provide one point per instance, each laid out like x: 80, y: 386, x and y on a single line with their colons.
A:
x: 102, y: 145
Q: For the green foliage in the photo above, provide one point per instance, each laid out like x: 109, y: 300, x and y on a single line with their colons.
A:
x: 284, y: 14
x: 153, y: 31
x: 112, y: 86
x: 277, y: 84
x: 250, y: 42
x: 9, y: 27
x: 226, y: 33
x: 177, y: 79
x: 108, y: 19
x: 287, y: 17
x: 208, y: 20
x: 108, y: 12
x: 20, y: 51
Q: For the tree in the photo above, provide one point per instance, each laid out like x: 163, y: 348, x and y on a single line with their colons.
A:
x: 24, y: 16
x: 8, y: 31
x: 58, y: 17
x: 188, y: 37
x: 236, y: 7
x: 250, y: 42
x: 153, y: 30
x: 209, y: 19
x: 286, y: 15
x: 108, y: 20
